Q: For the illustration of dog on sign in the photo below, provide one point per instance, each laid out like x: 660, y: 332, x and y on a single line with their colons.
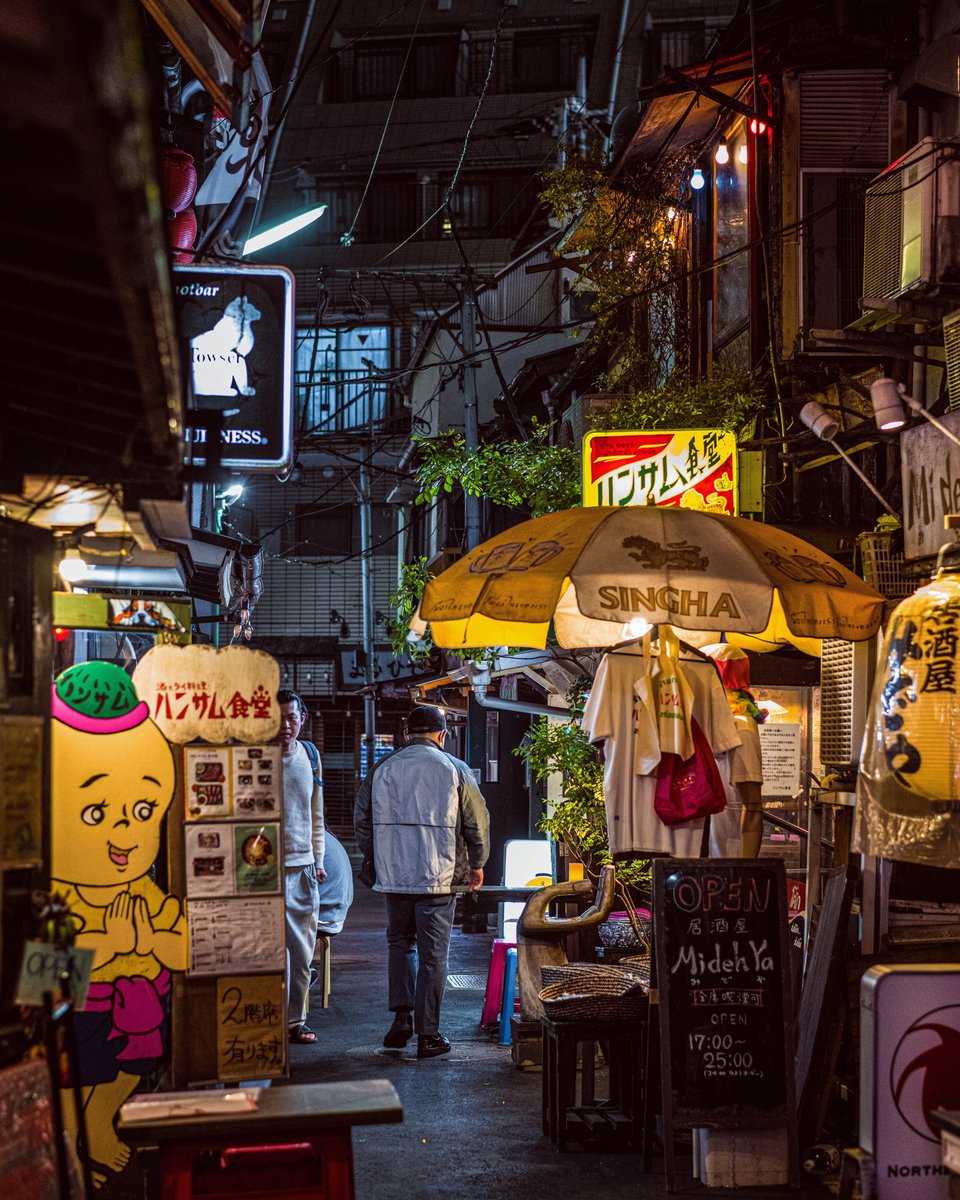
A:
x: 219, y: 355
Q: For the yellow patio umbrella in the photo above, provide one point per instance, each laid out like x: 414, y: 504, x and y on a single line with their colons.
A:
x: 593, y: 571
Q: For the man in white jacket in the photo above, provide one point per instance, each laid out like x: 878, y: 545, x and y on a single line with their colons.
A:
x: 421, y: 816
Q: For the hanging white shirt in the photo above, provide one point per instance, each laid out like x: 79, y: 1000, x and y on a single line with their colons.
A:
x: 616, y: 714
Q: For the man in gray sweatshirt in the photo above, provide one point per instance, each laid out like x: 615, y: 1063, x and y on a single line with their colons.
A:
x: 303, y: 847
x: 420, y: 814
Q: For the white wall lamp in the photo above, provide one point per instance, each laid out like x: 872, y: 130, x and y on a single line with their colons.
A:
x: 825, y: 427
x: 889, y: 397
x: 276, y: 233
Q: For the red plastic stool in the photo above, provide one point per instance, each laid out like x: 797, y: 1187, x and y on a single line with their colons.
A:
x: 493, y: 995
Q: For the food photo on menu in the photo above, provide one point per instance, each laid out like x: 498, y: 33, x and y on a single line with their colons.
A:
x: 207, y: 782
x: 257, y: 867
x: 210, y: 859
x: 254, y: 782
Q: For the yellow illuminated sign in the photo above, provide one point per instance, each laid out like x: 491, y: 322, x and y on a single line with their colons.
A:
x: 678, y: 468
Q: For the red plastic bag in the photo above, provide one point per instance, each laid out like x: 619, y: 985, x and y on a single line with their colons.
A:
x: 689, y: 788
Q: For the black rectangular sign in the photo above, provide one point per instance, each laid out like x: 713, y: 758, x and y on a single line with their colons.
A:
x: 237, y: 325
x: 723, y: 969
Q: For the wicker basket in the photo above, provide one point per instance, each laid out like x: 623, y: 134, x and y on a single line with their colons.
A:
x: 619, y: 933
x: 639, y: 965
x: 594, y: 998
x: 573, y: 973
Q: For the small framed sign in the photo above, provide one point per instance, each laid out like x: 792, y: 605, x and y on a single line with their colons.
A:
x: 237, y: 326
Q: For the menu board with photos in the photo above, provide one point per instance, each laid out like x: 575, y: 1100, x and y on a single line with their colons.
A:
x: 233, y: 802
x: 723, y: 973
x: 239, y: 782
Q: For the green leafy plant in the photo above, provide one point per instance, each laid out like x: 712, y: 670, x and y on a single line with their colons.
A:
x: 578, y: 819
x: 404, y: 600
x: 628, y: 231
x: 530, y: 475
x: 725, y: 399
x: 414, y: 577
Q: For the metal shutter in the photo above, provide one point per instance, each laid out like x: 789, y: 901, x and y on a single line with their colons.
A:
x: 844, y: 119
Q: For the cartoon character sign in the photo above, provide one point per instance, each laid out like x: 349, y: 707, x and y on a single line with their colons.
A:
x: 112, y: 782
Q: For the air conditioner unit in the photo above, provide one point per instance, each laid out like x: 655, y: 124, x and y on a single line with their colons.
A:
x: 846, y: 681
x: 951, y: 354
x: 912, y: 224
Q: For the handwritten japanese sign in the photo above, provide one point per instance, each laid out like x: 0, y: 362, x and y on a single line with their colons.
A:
x: 21, y: 790
x: 201, y: 692
x: 235, y: 934
x: 723, y: 971
x: 930, y: 473
x: 781, y: 746
x: 679, y: 468
x: 251, y: 1027
x: 918, y: 694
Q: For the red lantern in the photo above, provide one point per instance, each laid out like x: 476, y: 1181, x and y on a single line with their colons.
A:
x: 178, y: 178
x: 183, y: 233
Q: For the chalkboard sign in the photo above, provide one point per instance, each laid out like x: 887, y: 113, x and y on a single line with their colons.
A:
x: 723, y: 972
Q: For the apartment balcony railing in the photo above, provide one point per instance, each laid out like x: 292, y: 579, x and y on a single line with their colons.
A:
x: 347, y: 402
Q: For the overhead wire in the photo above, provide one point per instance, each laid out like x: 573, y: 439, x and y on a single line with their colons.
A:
x: 386, y: 126
x: 466, y: 141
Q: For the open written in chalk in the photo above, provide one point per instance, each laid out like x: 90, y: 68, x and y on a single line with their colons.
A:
x: 207, y: 1102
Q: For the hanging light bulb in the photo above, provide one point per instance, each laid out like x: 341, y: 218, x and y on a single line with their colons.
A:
x: 697, y: 180
x: 723, y: 154
x: 671, y: 213
x: 742, y: 153
x: 757, y: 126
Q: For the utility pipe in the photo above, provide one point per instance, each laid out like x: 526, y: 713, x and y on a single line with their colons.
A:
x: 617, y: 59
x: 516, y: 706
x: 471, y: 434
x: 291, y: 84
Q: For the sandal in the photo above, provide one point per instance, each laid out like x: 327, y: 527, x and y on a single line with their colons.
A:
x: 302, y: 1036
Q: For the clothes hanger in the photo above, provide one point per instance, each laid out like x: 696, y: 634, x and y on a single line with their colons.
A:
x: 654, y: 631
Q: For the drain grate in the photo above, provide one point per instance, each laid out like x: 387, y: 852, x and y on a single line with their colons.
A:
x: 477, y: 982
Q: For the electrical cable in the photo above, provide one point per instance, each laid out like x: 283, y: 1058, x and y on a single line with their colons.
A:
x: 347, y: 238
x: 466, y: 140
x: 210, y: 235
x: 469, y: 284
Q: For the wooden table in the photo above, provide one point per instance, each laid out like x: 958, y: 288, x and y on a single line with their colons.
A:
x: 295, y: 1146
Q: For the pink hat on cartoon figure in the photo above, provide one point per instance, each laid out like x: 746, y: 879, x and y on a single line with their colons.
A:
x: 97, y: 697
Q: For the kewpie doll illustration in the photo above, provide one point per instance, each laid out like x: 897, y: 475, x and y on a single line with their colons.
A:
x: 113, y: 778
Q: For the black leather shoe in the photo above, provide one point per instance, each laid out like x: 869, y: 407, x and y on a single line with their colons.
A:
x: 431, y: 1044
x: 400, y: 1032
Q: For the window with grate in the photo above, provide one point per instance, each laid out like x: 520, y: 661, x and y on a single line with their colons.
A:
x: 674, y: 45
x: 832, y: 248
x: 337, y: 377
x: 333, y: 530
x: 545, y: 60
x: 371, y: 70
x: 392, y: 210
x: 496, y: 205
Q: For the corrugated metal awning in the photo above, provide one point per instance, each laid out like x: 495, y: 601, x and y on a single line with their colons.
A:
x: 687, y: 108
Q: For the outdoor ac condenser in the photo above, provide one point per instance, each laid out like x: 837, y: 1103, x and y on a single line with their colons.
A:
x: 846, y: 680
x: 911, y: 223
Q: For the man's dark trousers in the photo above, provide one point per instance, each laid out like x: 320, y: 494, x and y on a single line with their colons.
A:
x: 418, y: 937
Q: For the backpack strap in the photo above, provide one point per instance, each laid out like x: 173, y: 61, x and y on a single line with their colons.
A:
x: 314, y: 755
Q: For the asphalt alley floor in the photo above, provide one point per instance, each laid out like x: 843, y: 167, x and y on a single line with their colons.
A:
x: 472, y: 1120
